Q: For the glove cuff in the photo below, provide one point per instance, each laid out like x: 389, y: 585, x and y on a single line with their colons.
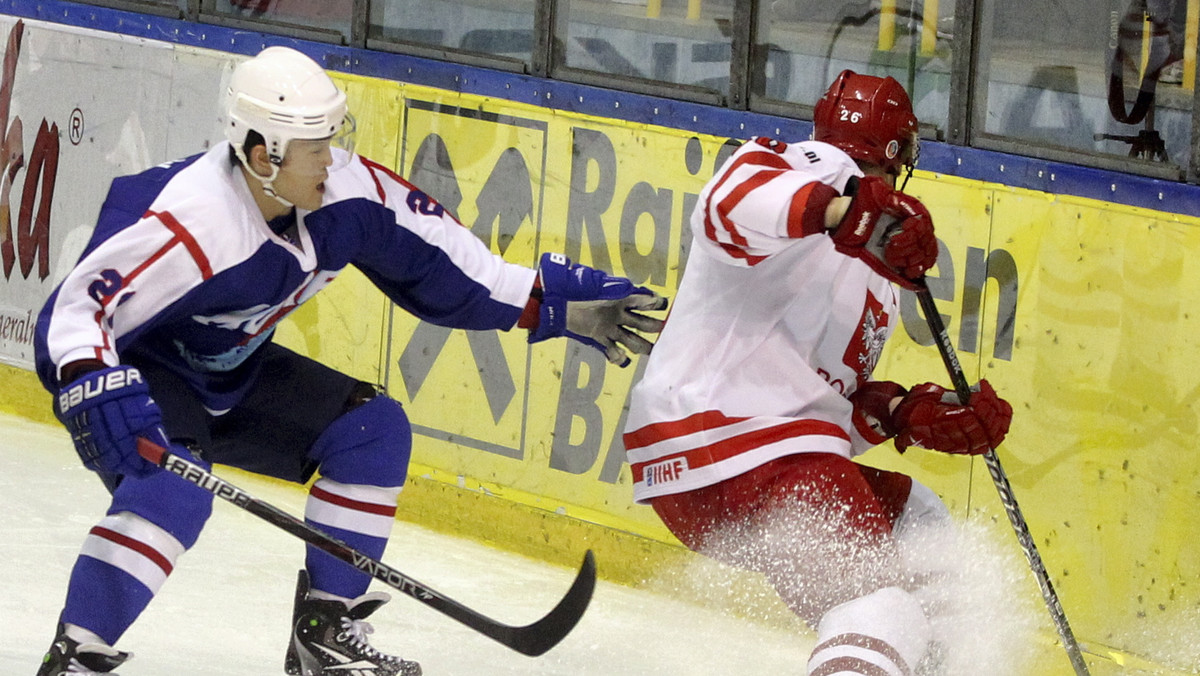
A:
x: 553, y: 278
x: 75, y: 370
x: 531, y: 316
x: 865, y: 210
x: 98, y: 387
x: 872, y: 415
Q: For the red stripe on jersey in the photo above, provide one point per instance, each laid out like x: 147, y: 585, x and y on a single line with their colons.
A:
x: 99, y: 317
x: 183, y: 237
x: 371, y: 167
x: 848, y: 665
x: 735, y: 198
x: 763, y: 158
x: 866, y: 643
x: 350, y: 503
x: 136, y: 545
x: 374, y: 167
x: 748, y: 441
x: 654, y: 433
x: 735, y: 252
x: 806, y: 213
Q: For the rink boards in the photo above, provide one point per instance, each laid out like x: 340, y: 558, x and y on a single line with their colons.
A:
x: 1077, y: 309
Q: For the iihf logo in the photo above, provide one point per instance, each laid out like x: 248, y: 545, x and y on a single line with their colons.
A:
x: 664, y: 471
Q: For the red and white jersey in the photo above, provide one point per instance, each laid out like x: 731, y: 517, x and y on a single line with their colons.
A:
x: 770, y: 331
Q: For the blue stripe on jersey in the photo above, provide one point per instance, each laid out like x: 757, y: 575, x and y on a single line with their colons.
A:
x: 47, y: 370
x: 416, y: 275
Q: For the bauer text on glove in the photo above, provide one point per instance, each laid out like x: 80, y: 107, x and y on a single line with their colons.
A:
x: 106, y: 411
x: 594, y: 308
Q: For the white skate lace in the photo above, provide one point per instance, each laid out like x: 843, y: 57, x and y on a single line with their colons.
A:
x: 355, y: 633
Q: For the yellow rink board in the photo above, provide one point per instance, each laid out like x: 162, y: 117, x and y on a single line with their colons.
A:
x: 1076, y: 310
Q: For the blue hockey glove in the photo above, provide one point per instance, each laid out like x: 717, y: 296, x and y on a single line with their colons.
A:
x: 594, y: 308
x: 106, y: 411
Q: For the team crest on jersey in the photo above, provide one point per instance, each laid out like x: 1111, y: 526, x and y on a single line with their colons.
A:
x: 259, y: 318
x: 865, y: 348
x: 257, y: 322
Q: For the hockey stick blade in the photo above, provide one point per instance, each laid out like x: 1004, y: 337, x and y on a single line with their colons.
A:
x: 532, y: 639
x: 1015, y: 517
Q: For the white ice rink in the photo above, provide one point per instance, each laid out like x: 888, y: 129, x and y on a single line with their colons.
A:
x: 225, y: 609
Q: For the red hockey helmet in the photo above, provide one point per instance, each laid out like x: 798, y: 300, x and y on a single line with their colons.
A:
x: 870, y: 118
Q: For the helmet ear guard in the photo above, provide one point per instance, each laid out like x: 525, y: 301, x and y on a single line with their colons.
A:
x: 871, y: 119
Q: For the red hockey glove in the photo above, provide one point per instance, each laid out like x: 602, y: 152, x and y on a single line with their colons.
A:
x: 872, y: 415
x: 890, y: 231
x: 931, y: 416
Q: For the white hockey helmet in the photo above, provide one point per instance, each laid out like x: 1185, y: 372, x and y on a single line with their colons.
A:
x: 283, y: 95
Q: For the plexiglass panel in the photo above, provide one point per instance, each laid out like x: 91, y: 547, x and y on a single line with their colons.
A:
x: 1112, y: 77
x: 686, y: 42
x: 331, y: 15
x: 803, y: 44
x: 494, y: 27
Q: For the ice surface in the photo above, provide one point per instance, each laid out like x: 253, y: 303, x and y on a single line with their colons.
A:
x: 226, y: 608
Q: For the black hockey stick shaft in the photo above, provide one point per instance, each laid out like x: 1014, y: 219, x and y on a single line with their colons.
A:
x: 950, y: 358
x: 533, y: 639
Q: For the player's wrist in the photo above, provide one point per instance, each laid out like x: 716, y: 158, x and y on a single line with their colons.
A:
x: 835, y: 211
x: 531, y: 315
x: 79, y: 368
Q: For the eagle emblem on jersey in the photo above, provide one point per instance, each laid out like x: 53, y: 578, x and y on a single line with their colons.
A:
x: 865, y: 348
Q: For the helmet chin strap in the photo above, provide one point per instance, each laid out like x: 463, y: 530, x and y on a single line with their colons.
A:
x: 266, y: 181
x: 270, y: 189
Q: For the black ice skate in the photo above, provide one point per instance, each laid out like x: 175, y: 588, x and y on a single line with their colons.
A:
x: 329, y: 637
x: 68, y: 657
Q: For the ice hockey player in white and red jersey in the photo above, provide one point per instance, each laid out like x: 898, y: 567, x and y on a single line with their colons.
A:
x: 741, y: 434
x: 163, y: 330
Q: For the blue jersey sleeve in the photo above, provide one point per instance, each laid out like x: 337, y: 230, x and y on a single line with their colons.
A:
x: 423, y: 259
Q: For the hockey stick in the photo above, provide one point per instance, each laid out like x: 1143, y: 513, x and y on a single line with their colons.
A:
x: 533, y: 639
x: 1015, y: 517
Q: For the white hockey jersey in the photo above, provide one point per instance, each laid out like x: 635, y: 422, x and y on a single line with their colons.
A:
x: 768, y: 335
x: 182, y: 269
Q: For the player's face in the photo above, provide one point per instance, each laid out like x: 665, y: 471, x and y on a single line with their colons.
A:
x: 302, y: 175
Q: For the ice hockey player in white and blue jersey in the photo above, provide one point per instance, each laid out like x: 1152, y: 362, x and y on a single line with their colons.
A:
x: 163, y: 330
